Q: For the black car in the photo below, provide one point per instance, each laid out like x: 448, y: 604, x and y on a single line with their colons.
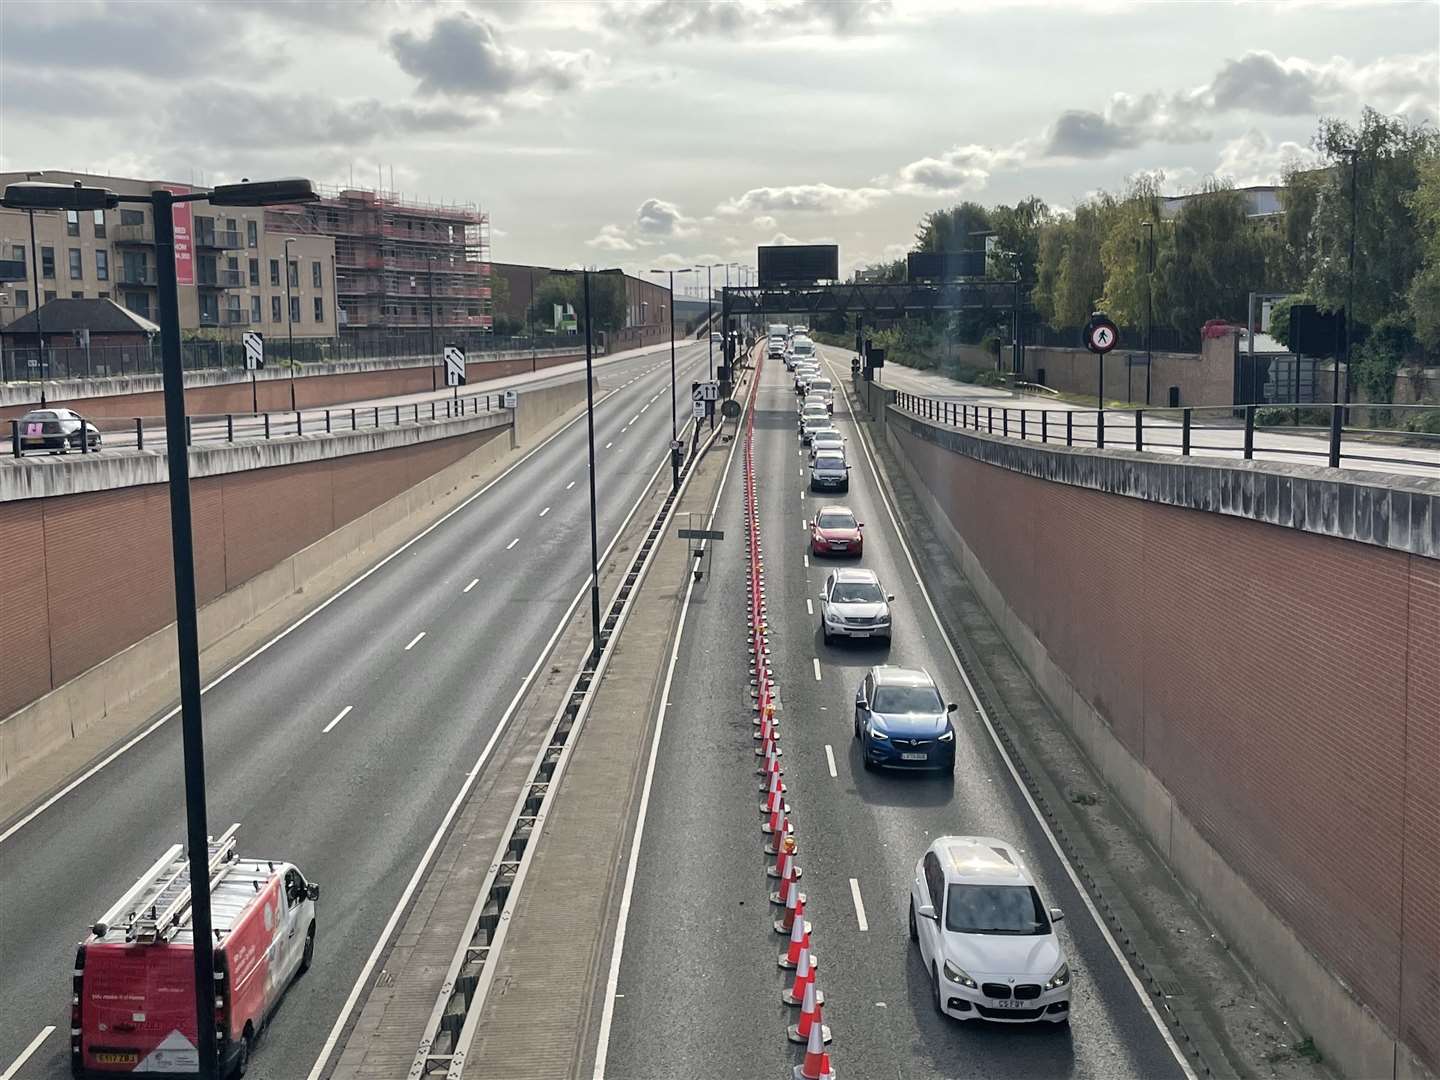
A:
x: 57, y: 430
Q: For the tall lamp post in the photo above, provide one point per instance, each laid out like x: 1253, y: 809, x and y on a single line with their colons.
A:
x: 40, y: 196
x: 1149, y: 227
x: 674, y: 393
x: 289, y: 317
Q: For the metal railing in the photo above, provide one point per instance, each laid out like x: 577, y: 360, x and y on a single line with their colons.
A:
x: 142, y: 432
x: 1218, y: 430
x: 219, y: 238
x: 134, y: 275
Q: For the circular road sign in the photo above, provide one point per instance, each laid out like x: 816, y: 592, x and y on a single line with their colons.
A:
x: 1101, y: 336
x: 730, y: 408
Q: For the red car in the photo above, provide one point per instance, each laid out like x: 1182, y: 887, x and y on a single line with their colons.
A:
x: 836, y: 532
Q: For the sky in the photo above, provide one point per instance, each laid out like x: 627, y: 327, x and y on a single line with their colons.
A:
x: 666, y: 133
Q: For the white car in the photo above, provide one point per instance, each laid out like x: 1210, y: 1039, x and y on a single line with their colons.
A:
x: 811, y: 420
x: 823, y: 439
x: 987, y: 940
x: 853, y: 604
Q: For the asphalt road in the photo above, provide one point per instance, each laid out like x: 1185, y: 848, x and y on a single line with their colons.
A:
x: 698, y: 981
x: 354, y: 807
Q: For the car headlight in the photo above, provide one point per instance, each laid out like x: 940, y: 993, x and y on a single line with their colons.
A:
x: 1059, y: 979
x: 876, y: 733
x: 958, y: 975
x: 947, y: 736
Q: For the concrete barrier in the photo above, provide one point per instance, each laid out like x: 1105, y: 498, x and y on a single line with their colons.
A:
x: 28, y: 735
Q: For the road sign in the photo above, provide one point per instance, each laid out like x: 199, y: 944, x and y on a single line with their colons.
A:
x: 511, y: 398
x: 698, y: 409
x: 1100, y: 334
x: 730, y: 408
x: 254, y: 349
x: 701, y: 534
x: 454, y: 365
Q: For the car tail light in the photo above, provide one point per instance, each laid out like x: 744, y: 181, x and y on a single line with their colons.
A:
x: 77, y: 988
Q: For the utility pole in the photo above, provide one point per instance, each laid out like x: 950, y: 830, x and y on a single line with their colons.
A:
x: 289, y: 316
x: 430, y: 267
x: 590, y: 425
x: 1149, y: 227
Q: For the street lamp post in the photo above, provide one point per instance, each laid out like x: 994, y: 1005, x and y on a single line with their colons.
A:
x: 289, y: 321
x: 674, y: 421
x: 430, y: 288
x: 1149, y: 227
x: 39, y: 196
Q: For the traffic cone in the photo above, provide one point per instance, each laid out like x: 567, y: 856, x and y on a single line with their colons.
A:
x: 810, y: 1021
x: 799, y: 939
x: 789, y: 875
x: 776, y: 823
x: 790, y: 846
x: 817, y: 1060
x: 804, y: 977
x: 794, y: 906
x: 776, y: 844
x: 773, y: 795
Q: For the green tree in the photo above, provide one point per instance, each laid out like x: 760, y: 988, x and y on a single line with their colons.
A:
x: 1017, y: 236
x: 1053, y: 248
x: 953, y: 229
x: 1216, y: 258
x: 1080, y: 278
x: 1424, y: 294
x: 1122, y: 251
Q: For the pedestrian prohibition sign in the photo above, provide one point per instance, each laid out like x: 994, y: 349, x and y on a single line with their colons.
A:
x: 1100, y: 334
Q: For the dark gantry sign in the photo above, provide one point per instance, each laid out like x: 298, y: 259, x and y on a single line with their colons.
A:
x: 944, y: 265
x: 799, y: 263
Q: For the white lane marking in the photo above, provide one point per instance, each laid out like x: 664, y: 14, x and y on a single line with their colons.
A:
x: 624, y: 429
x: 363, y: 979
x: 569, y: 485
x: 545, y: 511
x: 608, y: 445
x: 645, y: 406
x: 830, y: 761
x: 809, y: 607
x: 804, y: 524
x: 512, y: 543
x: 612, y: 984
x: 473, y: 583
x: 807, y: 562
x: 859, y: 906
x: 802, y: 494
x: 338, y: 717
x: 415, y: 641
x: 1115, y: 950
x: 15, y: 1066
x: 816, y: 661
x: 244, y: 660
x: 633, y: 419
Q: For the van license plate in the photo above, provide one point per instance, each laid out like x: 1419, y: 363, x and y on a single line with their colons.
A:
x: 914, y: 757
x: 116, y: 1058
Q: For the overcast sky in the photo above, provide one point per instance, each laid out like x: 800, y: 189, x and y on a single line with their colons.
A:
x: 680, y: 131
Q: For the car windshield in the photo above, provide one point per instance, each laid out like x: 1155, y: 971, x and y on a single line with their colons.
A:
x: 995, y: 909
x: 856, y: 592
x: 819, y: 385
x: 816, y: 412
x: 829, y: 461
x: 907, y: 699
x: 835, y: 519
x: 826, y: 438
x: 41, y: 414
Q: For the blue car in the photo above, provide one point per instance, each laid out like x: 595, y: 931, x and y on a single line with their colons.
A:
x: 902, y: 722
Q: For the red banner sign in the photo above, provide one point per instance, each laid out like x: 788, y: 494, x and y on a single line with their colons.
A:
x: 184, y: 238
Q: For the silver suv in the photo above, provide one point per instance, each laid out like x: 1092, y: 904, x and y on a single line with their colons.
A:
x: 853, y: 604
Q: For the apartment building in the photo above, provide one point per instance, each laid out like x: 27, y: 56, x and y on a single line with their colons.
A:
x: 236, y: 269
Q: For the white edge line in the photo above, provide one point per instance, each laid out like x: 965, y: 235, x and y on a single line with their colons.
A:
x: 816, y: 661
x: 473, y: 583
x: 14, y: 1069
x: 88, y: 773
x: 512, y: 543
x: 1135, y: 982
x: 617, y: 949
x: 809, y: 607
x: 860, y: 919
x: 420, y: 870
x: 830, y: 761
x: 545, y: 511
x: 338, y: 717
x: 570, y: 485
x: 415, y: 641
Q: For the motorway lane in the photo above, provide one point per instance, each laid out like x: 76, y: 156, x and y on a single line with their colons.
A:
x: 696, y: 952
x: 355, y: 807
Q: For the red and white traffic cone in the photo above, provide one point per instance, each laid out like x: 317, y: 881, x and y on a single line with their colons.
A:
x: 789, y: 874
x: 777, y: 844
x: 790, y: 847
x: 794, y: 906
x: 801, y: 1031
x: 774, y: 793
x: 816, y: 1065
x: 776, y: 825
x: 804, y: 976
x: 799, y: 939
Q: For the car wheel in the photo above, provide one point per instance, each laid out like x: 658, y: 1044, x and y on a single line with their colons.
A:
x: 309, y: 954
x: 865, y: 762
x: 914, y: 933
x: 825, y: 634
x: 242, y: 1059
x: 939, y: 996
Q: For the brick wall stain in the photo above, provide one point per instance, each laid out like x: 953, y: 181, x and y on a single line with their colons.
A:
x: 1284, y: 686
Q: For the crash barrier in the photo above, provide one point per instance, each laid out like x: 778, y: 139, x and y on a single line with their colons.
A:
x: 1176, y: 430
x: 776, y: 825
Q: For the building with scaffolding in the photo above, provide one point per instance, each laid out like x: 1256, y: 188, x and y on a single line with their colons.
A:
x: 402, y: 266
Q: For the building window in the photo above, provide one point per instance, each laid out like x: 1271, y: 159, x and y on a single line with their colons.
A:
x: 18, y: 254
x: 319, y: 309
x: 72, y: 223
x: 100, y: 224
x: 102, y: 265
x: 231, y: 225
x: 254, y: 307
x: 50, y: 294
x: 209, y: 309
x: 275, y: 272
x: 22, y: 298
x: 47, y: 262
x: 77, y: 264
x: 77, y: 294
x: 294, y: 274
x: 139, y: 303
x: 254, y: 271
x: 252, y: 234
x: 232, y: 264
x: 104, y: 296
x: 316, y: 274
x: 294, y: 309
x: 274, y: 308
x: 133, y: 217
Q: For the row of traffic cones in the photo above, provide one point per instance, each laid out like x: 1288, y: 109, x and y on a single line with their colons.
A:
x: 776, y: 824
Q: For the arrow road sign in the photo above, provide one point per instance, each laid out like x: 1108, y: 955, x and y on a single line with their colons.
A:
x: 454, y: 365
x: 254, y: 349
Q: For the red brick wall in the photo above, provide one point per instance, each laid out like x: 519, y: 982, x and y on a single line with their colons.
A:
x: 1297, y: 725
x: 66, y: 606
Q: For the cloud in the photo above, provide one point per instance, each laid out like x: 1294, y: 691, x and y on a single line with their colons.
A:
x: 764, y: 222
x: 804, y: 198
x: 961, y: 170
x: 1254, y: 158
x: 462, y: 55
x: 610, y: 238
x: 785, y: 240
x: 679, y: 20
x: 658, y: 218
x: 1128, y: 121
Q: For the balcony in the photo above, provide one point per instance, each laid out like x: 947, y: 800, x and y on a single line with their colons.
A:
x: 234, y: 317
x: 132, y: 234
x: 219, y: 239
x: 220, y: 279
x: 134, y: 275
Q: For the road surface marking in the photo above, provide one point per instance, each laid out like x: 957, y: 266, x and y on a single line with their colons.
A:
x: 807, y: 562
x: 338, y: 717
x: 569, y: 485
x: 816, y: 662
x: 645, y: 406
x: 804, y: 524
x: 624, y: 429
x: 545, y: 511
x: 809, y: 607
x: 830, y: 761
x: 512, y: 543
x: 473, y: 583
x: 633, y: 419
x: 14, y: 1069
x: 859, y: 905
x: 415, y: 641
x: 608, y: 445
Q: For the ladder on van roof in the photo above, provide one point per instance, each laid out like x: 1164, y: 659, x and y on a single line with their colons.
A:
x: 167, y: 903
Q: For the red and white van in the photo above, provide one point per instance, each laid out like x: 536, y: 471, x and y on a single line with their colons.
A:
x: 133, y: 1003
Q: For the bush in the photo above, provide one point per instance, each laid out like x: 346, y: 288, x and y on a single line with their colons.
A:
x: 989, y: 378
x: 1427, y: 422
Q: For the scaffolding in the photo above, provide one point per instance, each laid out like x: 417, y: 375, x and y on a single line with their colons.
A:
x: 401, y: 263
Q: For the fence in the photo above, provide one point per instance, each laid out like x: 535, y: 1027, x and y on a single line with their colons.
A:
x: 1176, y: 431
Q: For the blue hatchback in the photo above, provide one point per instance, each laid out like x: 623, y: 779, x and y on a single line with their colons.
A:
x: 902, y: 722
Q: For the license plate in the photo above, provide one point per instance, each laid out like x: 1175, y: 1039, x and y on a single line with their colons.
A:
x: 1010, y: 1003
x: 116, y: 1058
x: 860, y: 633
x: 839, y: 547
x: 914, y: 757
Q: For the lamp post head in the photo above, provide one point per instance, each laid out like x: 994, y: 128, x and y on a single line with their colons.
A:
x: 289, y: 189
x: 37, y: 195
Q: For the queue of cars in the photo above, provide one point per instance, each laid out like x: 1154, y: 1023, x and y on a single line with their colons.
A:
x: 986, y: 939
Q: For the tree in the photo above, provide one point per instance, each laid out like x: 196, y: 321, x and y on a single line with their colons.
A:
x: 1053, y: 249
x: 1424, y: 295
x: 953, y: 229
x: 1216, y: 258
x: 1017, y: 236
x: 1080, y: 277
x: 1122, y: 252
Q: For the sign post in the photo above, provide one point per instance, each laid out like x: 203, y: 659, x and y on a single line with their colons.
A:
x: 455, y: 367
x: 1100, y: 337
x: 254, y: 360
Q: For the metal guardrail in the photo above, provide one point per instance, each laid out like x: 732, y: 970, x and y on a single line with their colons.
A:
x: 1178, y: 431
